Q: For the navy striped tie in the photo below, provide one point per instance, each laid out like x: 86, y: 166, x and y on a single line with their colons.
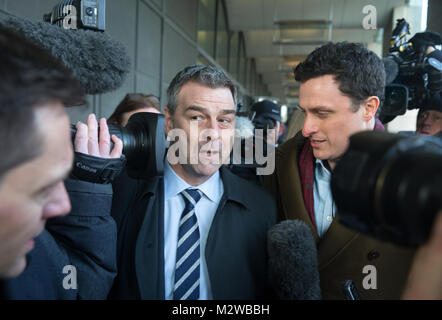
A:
x: 187, y: 268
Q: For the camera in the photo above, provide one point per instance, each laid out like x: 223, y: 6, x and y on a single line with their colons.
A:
x: 407, y: 71
x: 390, y: 186
x: 88, y: 14
x: 144, y: 144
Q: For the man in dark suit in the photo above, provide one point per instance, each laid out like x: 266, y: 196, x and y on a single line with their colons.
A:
x: 199, y: 232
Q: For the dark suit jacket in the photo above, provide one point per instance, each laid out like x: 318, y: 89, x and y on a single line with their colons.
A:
x: 342, y: 253
x: 236, y: 246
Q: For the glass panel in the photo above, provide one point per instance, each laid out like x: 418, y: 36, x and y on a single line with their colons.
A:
x: 222, y: 37
x: 202, y: 60
x: 253, y: 78
x: 242, y: 61
x: 206, y: 25
x: 233, y: 58
x: 249, y: 74
x: 184, y: 13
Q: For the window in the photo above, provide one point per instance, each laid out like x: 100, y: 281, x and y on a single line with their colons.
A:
x: 222, y: 36
x: 206, y: 25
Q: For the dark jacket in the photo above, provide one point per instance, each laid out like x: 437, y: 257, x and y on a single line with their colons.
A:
x: 235, y: 252
x: 342, y: 253
x: 85, y: 239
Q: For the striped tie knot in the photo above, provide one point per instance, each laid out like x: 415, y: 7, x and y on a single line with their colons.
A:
x: 191, y: 196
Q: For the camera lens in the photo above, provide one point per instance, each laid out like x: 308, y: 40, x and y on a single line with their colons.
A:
x: 89, y: 11
x: 144, y: 144
x: 390, y: 186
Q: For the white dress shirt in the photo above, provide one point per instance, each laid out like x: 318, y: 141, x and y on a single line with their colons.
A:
x: 325, y: 208
x: 205, y: 210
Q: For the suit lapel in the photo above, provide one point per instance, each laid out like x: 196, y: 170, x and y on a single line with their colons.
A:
x: 337, y: 236
x: 289, y: 181
x: 149, y: 253
x: 335, y: 239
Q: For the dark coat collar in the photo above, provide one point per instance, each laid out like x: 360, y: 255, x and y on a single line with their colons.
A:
x: 235, y: 189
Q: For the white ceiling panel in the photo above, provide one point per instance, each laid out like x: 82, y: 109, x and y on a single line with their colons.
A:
x: 258, y: 19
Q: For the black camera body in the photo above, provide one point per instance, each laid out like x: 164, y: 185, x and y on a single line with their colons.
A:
x: 407, y: 68
x: 144, y: 144
x: 390, y: 186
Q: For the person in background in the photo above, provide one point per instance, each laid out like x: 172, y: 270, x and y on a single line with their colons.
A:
x: 268, y: 115
x: 133, y: 103
x: 429, y: 118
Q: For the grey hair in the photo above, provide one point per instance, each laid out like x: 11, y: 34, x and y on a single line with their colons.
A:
x: 205, y: 75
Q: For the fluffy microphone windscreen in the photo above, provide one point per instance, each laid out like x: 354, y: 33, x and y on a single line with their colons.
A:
x: 99, y: 62
x: 293, y: 261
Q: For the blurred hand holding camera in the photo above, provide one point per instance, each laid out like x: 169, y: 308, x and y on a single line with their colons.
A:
x: 425, y: 279
x: 96, y: 160
x: 88, y: 141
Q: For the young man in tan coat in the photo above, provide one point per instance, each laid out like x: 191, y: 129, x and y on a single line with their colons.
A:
x: 342, y: 85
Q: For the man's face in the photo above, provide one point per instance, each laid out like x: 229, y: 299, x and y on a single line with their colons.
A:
x: 329, y: 118
x: 34, y: 191
x: 429, y: 122
x: 211, y: 114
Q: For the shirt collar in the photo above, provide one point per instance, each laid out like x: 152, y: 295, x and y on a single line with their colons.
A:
x: 174, y: 185
x: 323, y: 169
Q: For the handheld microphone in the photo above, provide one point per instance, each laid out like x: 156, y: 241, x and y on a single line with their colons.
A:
x: 293, y: 261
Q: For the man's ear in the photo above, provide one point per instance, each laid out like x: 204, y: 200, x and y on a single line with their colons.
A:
x: 370, y: 106
x: 168, y: 124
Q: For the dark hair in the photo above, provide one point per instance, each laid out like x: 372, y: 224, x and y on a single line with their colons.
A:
x: 358, y: 71
x: 30, y: 78
x: 205, y: 75
x: 131, y: 102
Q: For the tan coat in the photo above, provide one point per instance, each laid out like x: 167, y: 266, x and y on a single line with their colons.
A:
x: 342, y: 253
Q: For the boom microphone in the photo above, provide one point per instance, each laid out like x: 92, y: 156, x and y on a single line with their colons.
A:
x: 99, y: 62
x: 293, y: 261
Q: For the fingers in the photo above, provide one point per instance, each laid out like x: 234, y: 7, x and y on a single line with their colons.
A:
x: 88, y: 141
x: 93, y: 135
x: 81, y: 138
x: 118, y: 147
x: 104, y: 139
